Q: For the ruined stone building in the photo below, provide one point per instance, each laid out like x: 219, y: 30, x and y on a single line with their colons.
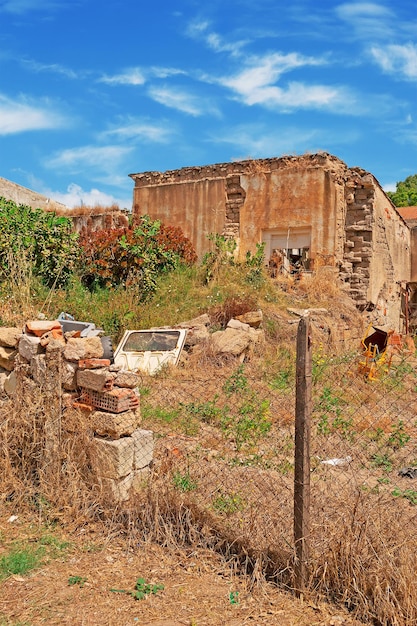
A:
x: 309, y: 211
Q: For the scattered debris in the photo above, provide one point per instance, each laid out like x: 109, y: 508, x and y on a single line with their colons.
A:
x: 334, y: 462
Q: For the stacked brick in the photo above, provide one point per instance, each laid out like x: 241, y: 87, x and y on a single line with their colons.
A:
x: 121, y: 453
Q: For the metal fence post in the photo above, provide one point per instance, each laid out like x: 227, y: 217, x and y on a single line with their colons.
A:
x: 303, y: 409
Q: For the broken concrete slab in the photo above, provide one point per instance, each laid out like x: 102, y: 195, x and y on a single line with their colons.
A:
x: 140, y: 478
x: 114, y: 425
x: 113, y: 458
x: 69, y: 375
x: 38, y: 368
x: 144, y: 446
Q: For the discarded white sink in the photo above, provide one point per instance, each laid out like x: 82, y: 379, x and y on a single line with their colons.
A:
x: 149, y: 350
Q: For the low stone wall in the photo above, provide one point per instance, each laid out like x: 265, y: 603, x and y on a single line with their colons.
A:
x: 73, y: 377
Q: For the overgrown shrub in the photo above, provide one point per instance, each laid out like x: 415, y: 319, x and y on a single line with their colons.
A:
x: 45, y: 241
x: 134, y: 256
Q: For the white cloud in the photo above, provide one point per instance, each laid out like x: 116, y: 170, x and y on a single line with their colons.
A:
x: 400, y: 60
x: 255, y: 84
x: 181, y: 101
x: 131, y: 76
x: 254, y: 141
x: 141, y: 130
x: 104, y: 158
x: 53, y: 68
x: 200, y: 30
x: 23, y: 6
x: 165, y: 72
x: 366, y: 19
x: 17, y: 116
x: 77, y: 196
x: 258, y: 141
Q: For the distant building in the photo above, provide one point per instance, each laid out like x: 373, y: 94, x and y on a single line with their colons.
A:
x: 84, y: 219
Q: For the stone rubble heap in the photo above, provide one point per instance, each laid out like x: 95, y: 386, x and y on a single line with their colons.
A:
x: 121, y: 453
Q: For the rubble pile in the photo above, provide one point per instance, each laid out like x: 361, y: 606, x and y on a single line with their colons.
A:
x: 121, y: 453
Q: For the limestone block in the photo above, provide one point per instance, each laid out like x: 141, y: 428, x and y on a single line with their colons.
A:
x: 96, y: 379
x: 38, y: 368
x: 69, y: 375
x: 113, y: 459
x: 236, y: 324
x: 230, y: 341
x: 114, y: 425
x: 3, y: 382
x: 253, y: 318
x: 127, y: 379
x: 9, y: 337
x: 117, y: 489
x: 7, y: 356
x: 257, y: 335
x: 29, y: 346
x: 140, y: 479
x: 78, y: 348
x: 144, y: 446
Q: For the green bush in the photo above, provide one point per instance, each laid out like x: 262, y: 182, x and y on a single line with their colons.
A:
x: 45, y: 241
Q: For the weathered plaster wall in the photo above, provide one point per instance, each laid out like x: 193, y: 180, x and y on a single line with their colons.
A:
x: 245, y: 198
x: 290, y: 199
x: 390, y: 263
x: 198, y: 207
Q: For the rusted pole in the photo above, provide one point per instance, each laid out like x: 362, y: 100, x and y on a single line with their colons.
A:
x: 303, y: 410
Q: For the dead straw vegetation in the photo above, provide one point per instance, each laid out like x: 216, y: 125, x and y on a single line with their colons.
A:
x: 222, y: 478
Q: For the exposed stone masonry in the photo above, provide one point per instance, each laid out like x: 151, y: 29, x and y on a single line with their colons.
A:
x: 359, y: 197
x: 235, y: 197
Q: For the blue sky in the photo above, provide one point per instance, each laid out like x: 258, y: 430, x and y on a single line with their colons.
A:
x: 91, y: 92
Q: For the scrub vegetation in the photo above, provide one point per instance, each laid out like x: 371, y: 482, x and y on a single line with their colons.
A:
x: 223, y: 474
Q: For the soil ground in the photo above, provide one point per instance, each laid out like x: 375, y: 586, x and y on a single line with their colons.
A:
x: 200, y: 589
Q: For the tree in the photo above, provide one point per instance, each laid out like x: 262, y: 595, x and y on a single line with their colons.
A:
x: 406, y: 193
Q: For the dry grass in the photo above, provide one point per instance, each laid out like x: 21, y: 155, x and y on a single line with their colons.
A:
x: 208, y: 493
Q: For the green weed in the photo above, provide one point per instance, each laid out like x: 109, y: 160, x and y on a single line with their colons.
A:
x: 408, y: 494
x: 398, y: 437
x: 141, y: 590
x: 226, y: 504
x: 383, y: 461
x: 21, y: 560
x: 77, y: 580
x: 184, y: 482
